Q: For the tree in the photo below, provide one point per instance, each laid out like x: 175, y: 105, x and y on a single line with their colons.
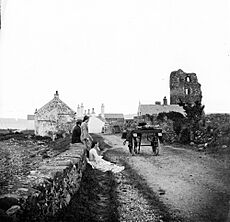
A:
x: 194, y: 115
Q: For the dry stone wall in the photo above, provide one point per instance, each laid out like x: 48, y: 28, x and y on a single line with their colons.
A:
x: 48, y: 189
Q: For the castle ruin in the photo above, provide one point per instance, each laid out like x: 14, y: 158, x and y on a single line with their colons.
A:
x: 184, y: 87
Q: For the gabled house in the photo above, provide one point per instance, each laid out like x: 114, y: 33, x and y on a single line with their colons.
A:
x: 53, y: 118
x: 113, y: 121
x: 114, y: 118
x: 111, y: 118
x: 155, y: 109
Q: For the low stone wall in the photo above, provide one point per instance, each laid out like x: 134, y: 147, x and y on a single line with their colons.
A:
x: 46, y: 190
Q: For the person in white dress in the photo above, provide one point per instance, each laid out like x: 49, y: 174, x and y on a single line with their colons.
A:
x: 97, y: 162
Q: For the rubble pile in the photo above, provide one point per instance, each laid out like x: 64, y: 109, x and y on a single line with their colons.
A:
x: 216, y: 132
x: 18, y: 158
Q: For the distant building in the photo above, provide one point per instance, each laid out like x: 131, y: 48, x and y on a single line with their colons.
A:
x: 155, y: 109
x: 129, y: 117
x: 113, y: 121
x: 111, y: 118
x: 54, y: 117
x: 114, y: 118
x: 104, y: 122
x: 184, y: 87
x: 80, y: 111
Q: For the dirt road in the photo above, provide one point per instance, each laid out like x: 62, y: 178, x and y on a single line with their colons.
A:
x: 192, y: 185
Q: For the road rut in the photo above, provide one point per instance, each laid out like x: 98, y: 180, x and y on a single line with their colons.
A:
x: 192, y: 185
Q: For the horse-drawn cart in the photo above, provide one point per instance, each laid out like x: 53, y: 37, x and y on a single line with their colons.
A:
x: 135, y: 138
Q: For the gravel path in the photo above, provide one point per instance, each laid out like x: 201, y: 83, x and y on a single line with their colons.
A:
x: 190, y: 185
x: 133, y: 206
x: 120, y: 197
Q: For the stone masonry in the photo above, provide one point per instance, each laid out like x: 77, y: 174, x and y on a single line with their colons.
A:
x: 48, y: 189
x: 53, y: 118
x: 184, y: 87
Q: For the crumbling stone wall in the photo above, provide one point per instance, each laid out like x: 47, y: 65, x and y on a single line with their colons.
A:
x: 215, y: 120
x: 61, y: 124
x: 217, y: 126
x: 48, y: 189
x: 184, y: 87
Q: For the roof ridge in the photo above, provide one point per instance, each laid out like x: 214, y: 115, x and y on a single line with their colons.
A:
x: 55, y: 99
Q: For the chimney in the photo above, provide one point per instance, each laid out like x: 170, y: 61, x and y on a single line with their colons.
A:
x: 56, y: 95
x: 102, y: 110
x: 78, y: 111
x: 165, y: 103
x: 82, y: 110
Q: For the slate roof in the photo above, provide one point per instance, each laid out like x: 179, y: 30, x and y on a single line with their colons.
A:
x: 130, y: 116
x: 152, y: 109
x: 54, y: 106
x: 114, y: 116
x: 102, y: 119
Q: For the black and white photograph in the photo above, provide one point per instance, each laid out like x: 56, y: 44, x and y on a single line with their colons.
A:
x: 114, y: 111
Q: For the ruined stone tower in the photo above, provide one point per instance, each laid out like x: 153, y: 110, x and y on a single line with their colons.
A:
x: 184, y: 87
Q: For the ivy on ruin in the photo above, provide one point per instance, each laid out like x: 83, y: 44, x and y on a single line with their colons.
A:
x: 194, y: 120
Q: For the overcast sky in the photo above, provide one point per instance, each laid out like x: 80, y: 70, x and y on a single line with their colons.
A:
x: 112, y: 52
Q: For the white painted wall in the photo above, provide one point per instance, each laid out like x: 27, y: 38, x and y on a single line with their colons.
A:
x: 95, y: 125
